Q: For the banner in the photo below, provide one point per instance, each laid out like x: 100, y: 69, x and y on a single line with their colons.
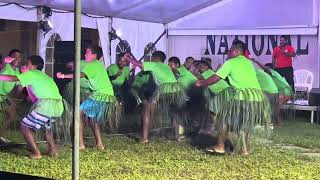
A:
x: 260, y: 48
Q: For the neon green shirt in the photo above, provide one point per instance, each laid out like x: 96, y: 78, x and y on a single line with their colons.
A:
x: 162, y: 72
x: 218, y: 86
x: 6, y: 87
x: 84, y: 82
x: 240, y: 72
x: 113, y: 70
x: 281, y: 83
x: 141, y: 79
x: 42, y: 86
x: 242, y: 75
x: 266, y: 82
x: 98, y: 77
x: 186, y: 78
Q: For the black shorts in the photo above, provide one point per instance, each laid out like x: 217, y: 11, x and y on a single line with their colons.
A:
x: 287, y: 73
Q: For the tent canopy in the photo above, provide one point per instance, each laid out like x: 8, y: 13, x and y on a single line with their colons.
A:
x: 157, y: 11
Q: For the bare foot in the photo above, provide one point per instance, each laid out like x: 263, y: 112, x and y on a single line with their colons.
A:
x: 35, y: 156
x: 145, y: 141
x: 245, y: 153
x: 53, y: 153
x: 100, y: 146
x: 218, y: 149
x: 81, y: 148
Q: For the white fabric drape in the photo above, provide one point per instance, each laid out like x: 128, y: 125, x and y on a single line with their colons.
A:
x: 103, y: 29
x: 138, y: 34
x: 13, y: 12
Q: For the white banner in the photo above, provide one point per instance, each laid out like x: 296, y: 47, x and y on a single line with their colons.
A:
x: 260, y: 47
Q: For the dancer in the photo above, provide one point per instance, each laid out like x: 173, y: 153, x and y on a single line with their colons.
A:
x: 101, y: 105
x: 47, y: 111
x: 245, y: 105
x: 168, y: 95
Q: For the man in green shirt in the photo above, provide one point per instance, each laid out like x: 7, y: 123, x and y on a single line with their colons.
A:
x: 11, y: 65
x: 47, y: 109
x: 245, y: 105
x: 270, y: 89
x: 101, y: 105
x: 188, y: 63
x: 121, y: 78
x: 118, y: 73
x: 169, y: 93
x: 284, y: 90
x: 213, y: 97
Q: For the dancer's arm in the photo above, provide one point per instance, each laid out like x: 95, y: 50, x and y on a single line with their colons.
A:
x: 69, y: 76
x: 8, y: 78
x: 133, y: 61
x: 211, y: 80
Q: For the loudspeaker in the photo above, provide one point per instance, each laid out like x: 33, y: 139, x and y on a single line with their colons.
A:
x: 314, y: 97
x: 64, y: 54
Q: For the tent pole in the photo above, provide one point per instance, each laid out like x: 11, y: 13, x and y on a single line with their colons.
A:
x: 76, y: 86
x: 167, y: 39
x: 318, y: 18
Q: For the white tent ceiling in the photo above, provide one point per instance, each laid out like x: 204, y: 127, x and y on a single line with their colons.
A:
x: 158, y: 11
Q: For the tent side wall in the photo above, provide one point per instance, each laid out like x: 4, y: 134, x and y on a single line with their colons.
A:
x: 137, y: 33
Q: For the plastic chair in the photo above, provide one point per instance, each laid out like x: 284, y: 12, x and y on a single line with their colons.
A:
x: 303, y: 79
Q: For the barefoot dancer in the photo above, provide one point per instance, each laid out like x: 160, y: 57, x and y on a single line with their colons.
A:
x: 247, y: 105
x: 47, y: 109
x: 101, y: 104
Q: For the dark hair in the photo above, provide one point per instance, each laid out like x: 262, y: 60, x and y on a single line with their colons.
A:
x: 189, y: 58
x: 14, y: 51
x: 36, y: 61
x: 208, y: 59
x: 239, y: 45
x: 159, y: 54
x: 175, y: 60
x: 95, y: 49
x: 204, y: 62
x: 284, y: 36
x: 270, y: 65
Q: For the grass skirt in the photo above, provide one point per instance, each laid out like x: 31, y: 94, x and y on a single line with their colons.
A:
x: 216, y: 101
x: 274, y: 105
x: 103, y: 108
x: 127, y: 97
x: 61, y: 111
x: 242, y: 113
x: 68, y: 93
x: 196, y: 109
x: 169, y: 98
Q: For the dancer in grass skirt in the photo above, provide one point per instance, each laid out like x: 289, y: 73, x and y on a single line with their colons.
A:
x: 49, y: 113
x: 168, y: 95
x: 121, y: 78
x: 215, y: 93
x: 245, y: 107
x: 101, y: 107
x: 284, y: 90
x: 9, y: 90
x: 196, y: 108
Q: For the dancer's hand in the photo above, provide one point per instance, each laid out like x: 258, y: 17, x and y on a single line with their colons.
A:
x: 127, y: 57
x: 199, y: 83
x: 8, y: 59
x: 60, y: 75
